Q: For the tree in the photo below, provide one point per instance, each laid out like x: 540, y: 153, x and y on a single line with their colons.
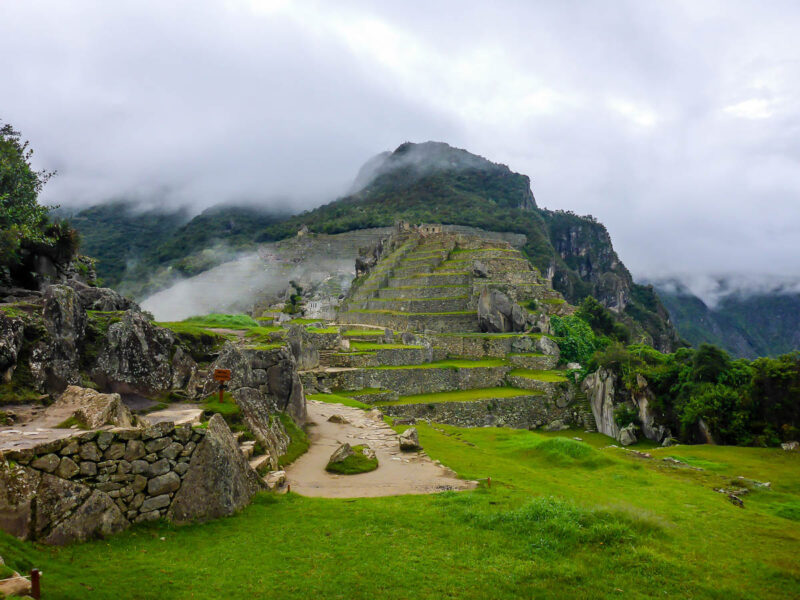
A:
x: 22, y: 218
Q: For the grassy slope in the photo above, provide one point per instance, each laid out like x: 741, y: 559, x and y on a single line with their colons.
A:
x: 561, y: 519
x: 462, y: 396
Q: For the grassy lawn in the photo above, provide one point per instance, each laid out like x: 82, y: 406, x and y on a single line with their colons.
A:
x: 562, y: 519
x: 221, y: 321
x: 552, y: 376
x: 451, y: 364
x: 462, y: 396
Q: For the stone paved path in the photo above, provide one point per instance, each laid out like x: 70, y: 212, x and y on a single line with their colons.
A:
x: 397, y: 473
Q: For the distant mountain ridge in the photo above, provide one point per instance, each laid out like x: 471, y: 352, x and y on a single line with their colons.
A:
x: 746, y: 323
x: 435, y: 183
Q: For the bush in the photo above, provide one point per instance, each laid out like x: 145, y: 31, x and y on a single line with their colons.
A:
x: 575, y: 338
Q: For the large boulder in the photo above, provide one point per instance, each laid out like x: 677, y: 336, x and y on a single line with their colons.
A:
x: 136, y: 357
x: 11, y: 336
x: 219, y: 481
x: 258, y: 413
x: 600, y: 389
x: 303, y: 349
x: 497, y: 313
x: 183, y: 369
x: 55, y: 362
x: 39, y: 506
x: 341, y: 454
x: 91, y: 408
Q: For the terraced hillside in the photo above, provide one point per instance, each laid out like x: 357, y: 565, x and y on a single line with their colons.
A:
x: 410, y: 338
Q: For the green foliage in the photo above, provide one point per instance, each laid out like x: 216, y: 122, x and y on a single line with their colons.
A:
x: 602, y: 321
x: 575, y: 338
x: 298, y: 441
x: 339, y: 398
x: 358, y: 462
x: 625, y: 415
x: 742, y: 402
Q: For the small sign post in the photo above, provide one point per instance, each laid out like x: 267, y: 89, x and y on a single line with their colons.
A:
x: 222, y: 375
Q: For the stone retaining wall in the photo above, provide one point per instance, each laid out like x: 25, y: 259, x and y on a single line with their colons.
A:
x: 521, y: 412
x: 100, y: 482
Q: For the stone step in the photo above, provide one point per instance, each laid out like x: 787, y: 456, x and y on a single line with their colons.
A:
x: 419, y: 305
x: 417, y: 379
x: 528, y: 379
x: 526, y: 411
x: 389, y: 356
x: 420, y: 292
x: 433, y: 322
x: 247, y: 448
x: 431, y: 258
x: 429, y: 279
x: 480, y: 345
x: 259, y: 461
x: 538, y: 362
x: 410, y: 271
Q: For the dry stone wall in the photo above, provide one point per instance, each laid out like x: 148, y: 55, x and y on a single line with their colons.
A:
x: 100, y: 482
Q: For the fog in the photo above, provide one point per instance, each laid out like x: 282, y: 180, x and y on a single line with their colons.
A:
x: 675, y: 123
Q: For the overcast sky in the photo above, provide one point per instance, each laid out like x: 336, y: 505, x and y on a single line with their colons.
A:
x: 677, y: 124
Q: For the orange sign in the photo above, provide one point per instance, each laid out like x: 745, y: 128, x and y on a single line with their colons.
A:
x: 222, y: 375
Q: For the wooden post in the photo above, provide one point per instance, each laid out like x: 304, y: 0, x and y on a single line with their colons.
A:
x: 222, y: 375
x: 36, y: 592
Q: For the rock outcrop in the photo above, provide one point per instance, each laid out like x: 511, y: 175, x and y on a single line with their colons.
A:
x: 136, y: 356
x: 259, y: 415
x: 219, y: 481
x: 498, y: 314
x: 305, y: 352
x: 11, y: 336
x: 55, y: 363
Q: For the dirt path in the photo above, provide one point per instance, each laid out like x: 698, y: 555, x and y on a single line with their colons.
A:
x: 398, y: 473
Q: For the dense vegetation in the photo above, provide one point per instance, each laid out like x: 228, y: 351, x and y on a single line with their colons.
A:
x: 26, y: 230
x: 740, y: 401
x: 561, y: 519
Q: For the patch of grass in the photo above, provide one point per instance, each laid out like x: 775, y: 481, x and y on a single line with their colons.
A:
x: 322, y: 330
x: 223, y: 321
x: 568, y: 452
x: 462, y: 396
x: 339, y: 399
x: 227, y: 408
x: 788, y: 510
x: 70, y: 422
x: 12, y: 393
x: 298, y: 441
x: 6, y: 572
x: 304, y: 321
x: 551, y: 376
x: 353, y: 465
x: 363, y: 333
x: 412, y: 314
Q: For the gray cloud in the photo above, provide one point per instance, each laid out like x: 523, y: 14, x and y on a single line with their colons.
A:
x: 675, y: 123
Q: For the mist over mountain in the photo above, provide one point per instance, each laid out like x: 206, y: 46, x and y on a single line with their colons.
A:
x: 429, y: 182
x: 748, y: 316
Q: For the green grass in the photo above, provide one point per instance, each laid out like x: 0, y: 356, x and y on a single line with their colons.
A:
x: 227, y: 408
x: 551, y: 376
x: 451, y: 364
x: 353, y: 465
x: 561, y: 519
x: 298, y: 441
x: 461, y: 396
x: 193, y: 330
x: 222, y: 321
x: 339, y: 399
x: 323, y: 330
x: 302, y: 321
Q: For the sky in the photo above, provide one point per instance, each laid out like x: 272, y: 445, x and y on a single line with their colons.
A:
x: 676, y: 123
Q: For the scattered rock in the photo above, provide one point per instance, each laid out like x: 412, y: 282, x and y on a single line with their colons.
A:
x: 409, y: 440
x: 336, y: 418
x: 341, y: 453
x: 791, y: 446
x: 627, y: 435
x: 275, y: 479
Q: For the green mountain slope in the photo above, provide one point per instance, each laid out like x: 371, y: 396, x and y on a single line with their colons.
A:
x: 436, y: 183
